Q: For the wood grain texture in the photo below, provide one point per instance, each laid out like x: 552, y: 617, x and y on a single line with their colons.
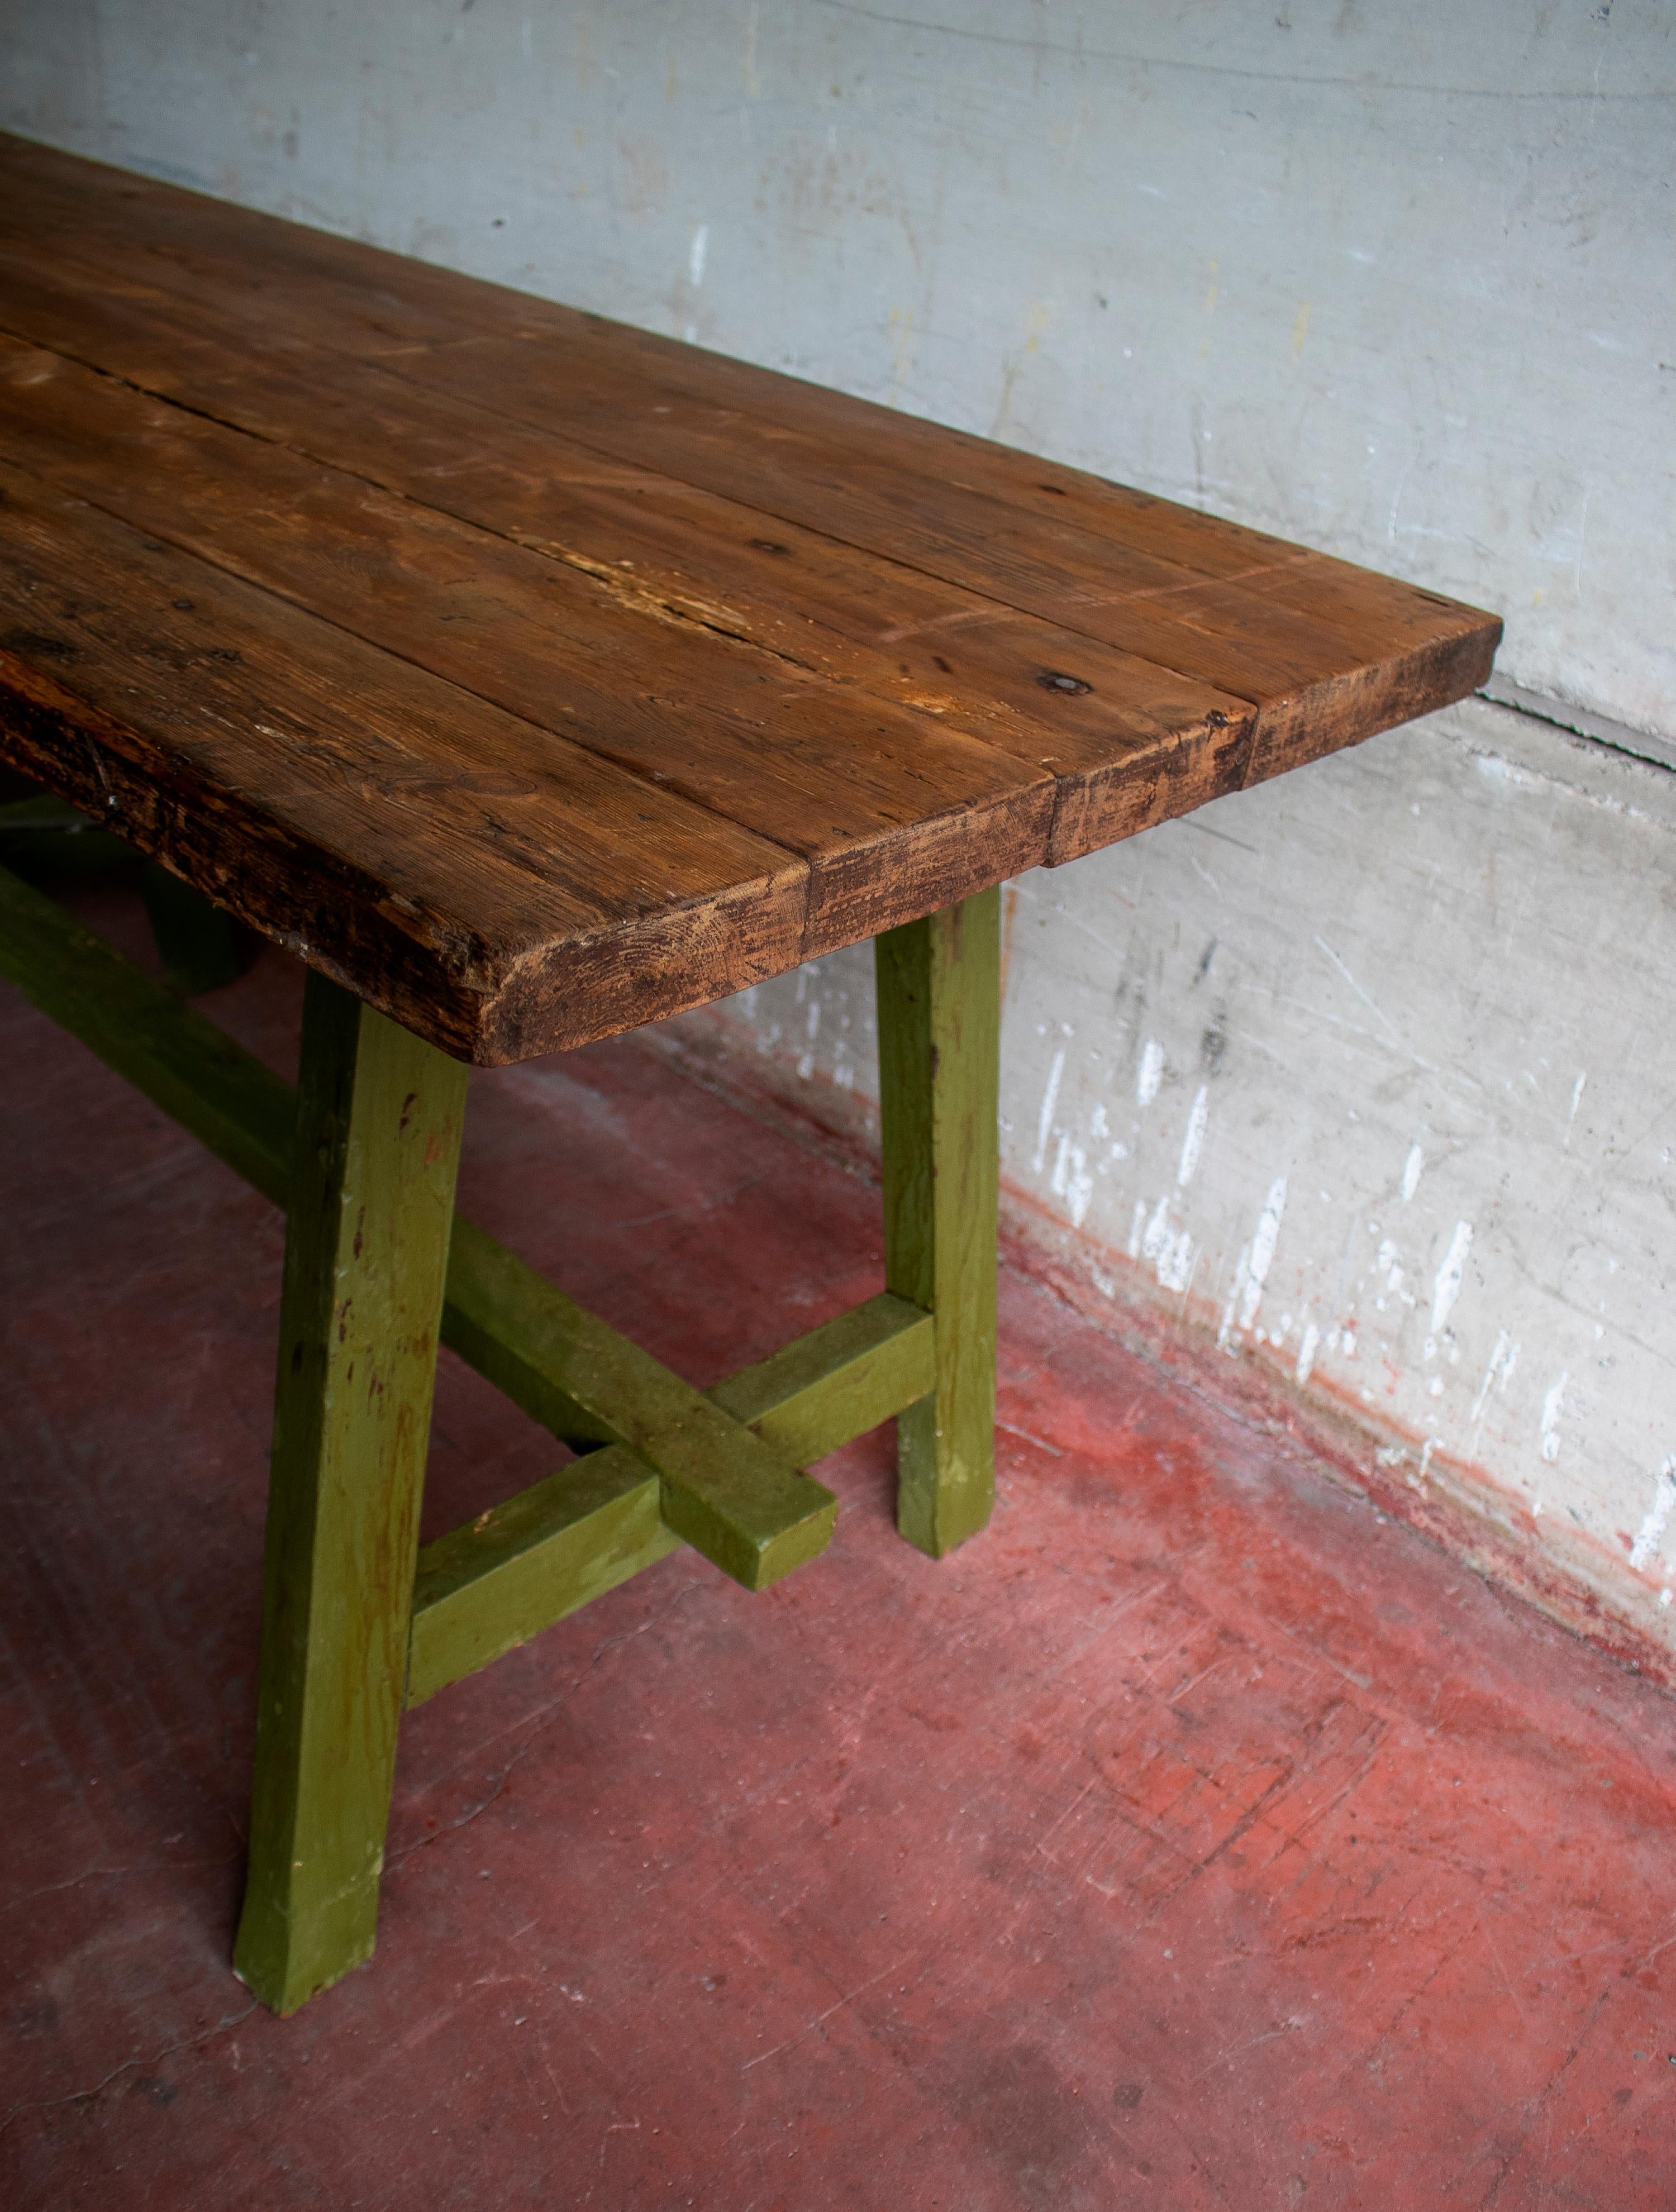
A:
x: 371, y: 1206
x: 537, y: 676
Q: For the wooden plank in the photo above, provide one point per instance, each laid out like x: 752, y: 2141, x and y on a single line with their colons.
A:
x: 938, y: 1038
x: 1118, y: 736
x: 190, y: 248
x: 959, y: 509
x: 836, y: 1381
x: 516, y: 1570
x: 747, y: 735
x: 951, y: 502
x: 505, y: 1576
x: 495, y: 888
x: 1205, y: 630
x: 286, y: 281
x: 909, y: 661
x: 726, y: 1491
x: 168, y: 237
x: 371, y: 1204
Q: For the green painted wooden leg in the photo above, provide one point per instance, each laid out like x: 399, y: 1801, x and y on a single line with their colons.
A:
x: 198, y: 941
x: 366, y: 1253
x: 938, y: 1043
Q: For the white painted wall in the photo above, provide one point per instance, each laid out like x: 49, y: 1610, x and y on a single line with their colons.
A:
x: 1398, y: 283
x: 1367, y: 1074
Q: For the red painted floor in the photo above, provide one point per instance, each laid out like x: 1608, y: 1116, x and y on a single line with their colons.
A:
x: 1193, y: 1838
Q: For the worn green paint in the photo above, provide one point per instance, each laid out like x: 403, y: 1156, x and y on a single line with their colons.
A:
x: 348, y: 1634
x: 198, y: 941
x: 724, y: 1490
x: 474, y: 1324
x: 505, y: 1576
x: 193, y: 1070
x: 732, y: 1496
x: 525, y: 1564
x: 379, y: 1117
x: 938, y: 1035
x: 837, y: 1381
x: 47, y: 842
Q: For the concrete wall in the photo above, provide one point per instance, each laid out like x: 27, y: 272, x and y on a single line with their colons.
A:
x: 1366, y: 1074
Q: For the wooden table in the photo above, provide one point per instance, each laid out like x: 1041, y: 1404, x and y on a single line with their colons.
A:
x: 531, y: 678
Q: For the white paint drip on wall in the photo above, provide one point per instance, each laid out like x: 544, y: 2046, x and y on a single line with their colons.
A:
x: 1553, y: 1404
x: 1050, y: 1099
x: 1152, y: 1071
x: 697, y: 254
x: 1306, y: 1352
x: 1411, y: 1167
x: 1502, y: 1361
x: 1649, y: 1537
x: 1577, y: 1101
x: 1194, y: 1142
x: 1169, y: 1249
x: 1387, y: 1263
x: 1071, y: 1179
x: 811, y: 1029
x: 1446, y: 1284
x: 1225, y: 1332
x: 1258, y: 1258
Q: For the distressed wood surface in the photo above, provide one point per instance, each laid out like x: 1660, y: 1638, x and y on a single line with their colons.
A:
x: 536, y: 676
x: 371, y: 1205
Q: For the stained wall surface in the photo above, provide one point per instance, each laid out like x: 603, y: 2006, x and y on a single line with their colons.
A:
x: 1365, y: 1074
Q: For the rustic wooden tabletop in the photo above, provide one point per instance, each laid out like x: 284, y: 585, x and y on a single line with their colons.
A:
x: 536, y: 676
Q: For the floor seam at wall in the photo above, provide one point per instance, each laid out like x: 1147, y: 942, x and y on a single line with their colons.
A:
x: 1598, y: 729
x: 1451, y: 1506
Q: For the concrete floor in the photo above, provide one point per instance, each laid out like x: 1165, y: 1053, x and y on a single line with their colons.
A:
x: 1193, y: 1838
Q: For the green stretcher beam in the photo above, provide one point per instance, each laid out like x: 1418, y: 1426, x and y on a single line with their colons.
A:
x: 729, y: 1494
x: 725, y: 1462
x: 502, y: 1579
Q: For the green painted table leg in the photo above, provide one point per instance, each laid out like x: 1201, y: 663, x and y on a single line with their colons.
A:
x: 939, y: 1044
x: 198, y: 941
x: 366, y: 1253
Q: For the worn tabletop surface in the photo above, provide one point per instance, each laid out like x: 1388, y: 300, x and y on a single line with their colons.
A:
x: 538, y: 676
